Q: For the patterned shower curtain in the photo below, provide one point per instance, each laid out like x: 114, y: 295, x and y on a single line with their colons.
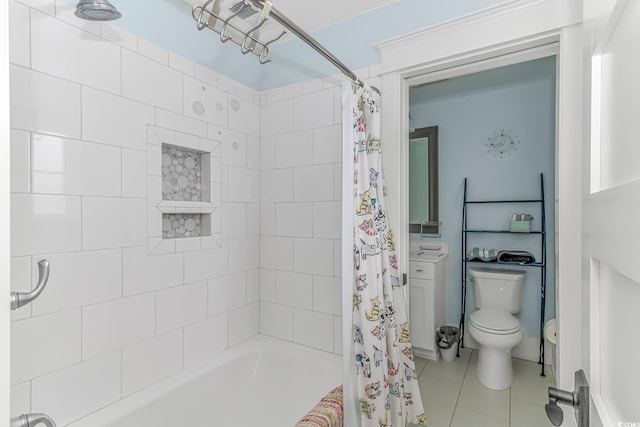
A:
x: 387, y: 383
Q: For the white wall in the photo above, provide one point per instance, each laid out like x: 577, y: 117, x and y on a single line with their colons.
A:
x: 465, y: 121
x: 112, y: 319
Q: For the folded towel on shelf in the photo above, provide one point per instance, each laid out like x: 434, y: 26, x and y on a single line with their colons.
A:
x: 329, y: 412
x: 486, y: 255
x: 516, y: 257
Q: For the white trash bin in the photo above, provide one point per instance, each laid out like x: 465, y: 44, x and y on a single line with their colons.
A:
x: 447, y: 338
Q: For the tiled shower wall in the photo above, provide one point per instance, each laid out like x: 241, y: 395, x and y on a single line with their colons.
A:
x: 113, y: 319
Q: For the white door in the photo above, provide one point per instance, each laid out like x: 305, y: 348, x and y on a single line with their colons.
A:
x: 4, y: 213
x: 612, y: 210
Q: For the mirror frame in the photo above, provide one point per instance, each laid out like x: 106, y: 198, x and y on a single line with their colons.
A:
x: 432, y: 226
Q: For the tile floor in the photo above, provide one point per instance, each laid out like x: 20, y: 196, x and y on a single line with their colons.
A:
x: 453, y: 396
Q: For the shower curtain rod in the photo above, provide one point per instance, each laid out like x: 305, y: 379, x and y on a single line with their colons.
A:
x: 305, y: 37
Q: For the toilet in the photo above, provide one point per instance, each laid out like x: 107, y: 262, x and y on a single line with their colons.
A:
x: 498, y: 295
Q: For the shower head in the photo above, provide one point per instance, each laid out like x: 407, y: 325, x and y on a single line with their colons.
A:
x: 96, y: 10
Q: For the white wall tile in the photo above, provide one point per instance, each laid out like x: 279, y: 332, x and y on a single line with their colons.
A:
x: 42, y: 103
x: 253, y: 152
x: 268, y: 153
x: 234, y: 148
x: 68, y: 166
x: 134, y: 173
x: 337, y: 182
x: 327, y: 220
x: 77, y: 391
x: 313, y: 110
x: 79, y: 279
x: 44, y: 224
x: 337, y: 334
x: 267, y: 285
x: 244, y: 254
x: 244, y: 185
x: 310, y: 86
x: 244, y: 323
x: 267, y: 219
x: 337, y: 258
x: 149, y: 361
x: 327, y: 295
x: 276, y: 185
x: 276, y: 253
x: 100, y: 111
x: 276, y: 118
x: 294, y: 149
x: 182, y: 64
x: 44, y: 344
x: 313, y: 329
x: 293, y: 90
x: 202, y: 265
x: 253, y: 286
x: 204, y: 339
x: 226, y: 293
x: 20, y: 161
x: 337, y: 105
x: 150, y: 82
x: 234, y: 219
x: 180, y: 123
x: 206, y: 75
x: 313, y: 183
x: 142, y: 273
x: 21, y: 282
x: 276, y: 320
x: 44, y: 6
x: 115, y: 34
x: 253, y: 219
x: 20, y: 397
x: 65, y: 51
x: 294, y: 219
x: 180, y: 306
x: 327, y: 145
x: 313, y: 256
x: 205, y: 102
x: 244, y: 116
x: 294, y: 289
x: 116, y: 324
x: 19, y: 34
x: 227, y: 84
x: 153, y: 51
x: 110, y: 222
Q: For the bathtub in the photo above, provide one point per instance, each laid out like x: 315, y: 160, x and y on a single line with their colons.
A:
x: 262, y: 382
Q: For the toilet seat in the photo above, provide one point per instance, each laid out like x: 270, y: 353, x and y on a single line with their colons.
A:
x: 495, y: 322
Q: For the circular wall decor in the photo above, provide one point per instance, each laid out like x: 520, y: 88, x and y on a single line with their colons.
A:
x: 501, y: 145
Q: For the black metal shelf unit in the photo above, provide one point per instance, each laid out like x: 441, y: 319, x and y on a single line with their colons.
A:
x: 542, y: 265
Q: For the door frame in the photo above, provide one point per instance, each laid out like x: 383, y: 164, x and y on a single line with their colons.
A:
x: 452, y: 49
x: 5, y: 260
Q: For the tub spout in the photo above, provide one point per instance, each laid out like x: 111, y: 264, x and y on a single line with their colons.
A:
x: 32, y: 420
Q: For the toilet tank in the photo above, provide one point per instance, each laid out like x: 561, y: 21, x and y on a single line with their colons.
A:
x: 498, y: 289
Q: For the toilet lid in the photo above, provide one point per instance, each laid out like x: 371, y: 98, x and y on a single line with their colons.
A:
x: 494, y: 321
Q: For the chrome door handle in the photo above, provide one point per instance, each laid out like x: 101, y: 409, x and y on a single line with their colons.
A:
x: 578, y: 399
x: 18, y: 299
x: 31, y: 420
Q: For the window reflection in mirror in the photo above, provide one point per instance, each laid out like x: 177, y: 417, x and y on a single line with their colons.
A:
x: 423, y: 180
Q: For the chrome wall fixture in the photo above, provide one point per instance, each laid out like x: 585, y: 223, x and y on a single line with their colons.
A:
x: 31, y: 420
x: 96, y: 10
x: 18, y: 299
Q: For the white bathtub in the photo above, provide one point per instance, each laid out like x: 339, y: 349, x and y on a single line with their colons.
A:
x: 263, y: 382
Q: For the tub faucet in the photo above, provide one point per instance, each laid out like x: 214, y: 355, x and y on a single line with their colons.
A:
x: 32, y: 420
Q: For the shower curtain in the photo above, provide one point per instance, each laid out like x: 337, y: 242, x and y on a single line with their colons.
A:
x: 386, y: 378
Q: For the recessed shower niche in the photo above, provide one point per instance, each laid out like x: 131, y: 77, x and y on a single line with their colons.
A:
x: 184, y: 191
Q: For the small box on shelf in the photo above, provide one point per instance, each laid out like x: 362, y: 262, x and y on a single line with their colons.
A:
x: 520, y: 223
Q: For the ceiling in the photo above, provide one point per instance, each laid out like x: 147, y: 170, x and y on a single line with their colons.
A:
x: 348, y: 28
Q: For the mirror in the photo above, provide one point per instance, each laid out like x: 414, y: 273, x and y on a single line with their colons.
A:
x: 423, y: 180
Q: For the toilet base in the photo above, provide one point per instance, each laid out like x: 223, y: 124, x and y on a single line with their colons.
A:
x: 495, y: 370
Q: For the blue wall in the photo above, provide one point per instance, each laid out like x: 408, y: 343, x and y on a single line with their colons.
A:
x: 467, y: 110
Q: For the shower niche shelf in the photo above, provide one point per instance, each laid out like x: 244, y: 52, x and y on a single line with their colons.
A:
x: 183, y: 192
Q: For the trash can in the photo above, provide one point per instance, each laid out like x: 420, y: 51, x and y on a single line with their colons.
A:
x: 447, y: 338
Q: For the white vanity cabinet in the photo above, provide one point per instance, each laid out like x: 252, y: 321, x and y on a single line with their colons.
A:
x: 426, y: 303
